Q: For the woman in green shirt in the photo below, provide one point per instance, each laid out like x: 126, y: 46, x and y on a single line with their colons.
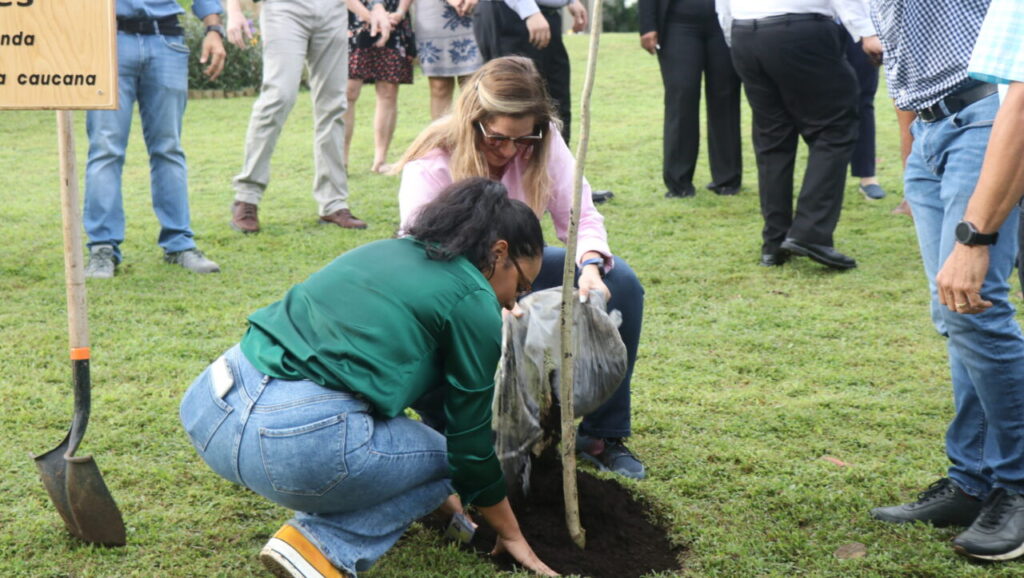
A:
x: 308, y: 410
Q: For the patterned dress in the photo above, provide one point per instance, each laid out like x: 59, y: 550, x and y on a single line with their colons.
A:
x: 389, y: 63
x: 444, y: 40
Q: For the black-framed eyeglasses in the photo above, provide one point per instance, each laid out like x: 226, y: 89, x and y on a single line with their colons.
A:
x: 499, y: 140
x: 523, y: 284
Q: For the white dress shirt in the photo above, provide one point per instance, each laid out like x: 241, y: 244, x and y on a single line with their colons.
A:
x: 854, y: 14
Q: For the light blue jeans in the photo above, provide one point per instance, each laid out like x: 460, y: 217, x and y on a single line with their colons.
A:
x: 153, y: 71
x: 985, y: 440
x: 355, y: 481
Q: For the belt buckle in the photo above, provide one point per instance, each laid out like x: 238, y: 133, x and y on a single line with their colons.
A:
x: 930, y: 114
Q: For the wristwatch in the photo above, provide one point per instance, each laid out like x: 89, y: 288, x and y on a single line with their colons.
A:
x: 594, y: 261
x: 968, y: 234
x: 218, y: 29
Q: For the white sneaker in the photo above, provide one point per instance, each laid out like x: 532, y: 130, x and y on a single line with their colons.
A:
x: 101, y: 262
x: 193, y: 260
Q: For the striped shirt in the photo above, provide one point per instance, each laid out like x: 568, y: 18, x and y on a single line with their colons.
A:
x: 927, y: 45
x: 999, y: 53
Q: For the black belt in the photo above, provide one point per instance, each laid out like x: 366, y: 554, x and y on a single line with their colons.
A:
x: 956, y: 102
x: 776, y: 20
x: 167, y: 26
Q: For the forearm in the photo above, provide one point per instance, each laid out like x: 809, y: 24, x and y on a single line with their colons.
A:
x: 403, y: 7
x: 501, y: 518
x: 356, y: 7
x: 1001, y: 183
x: 905, y: 118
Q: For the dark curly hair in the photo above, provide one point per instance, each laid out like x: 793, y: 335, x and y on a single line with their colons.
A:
x: 469, y: 216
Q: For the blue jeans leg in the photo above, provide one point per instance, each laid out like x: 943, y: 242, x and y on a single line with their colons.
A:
x: 355, y: 480
x: 985, y: 440
x: 163, y: 93
x: 612, y: 419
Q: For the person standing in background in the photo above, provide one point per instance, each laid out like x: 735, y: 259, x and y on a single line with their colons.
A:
x: 446, y: 47
x: 296, y: 35
x: 687, y: 39
x: 864, y: 57
x: 152, y: 62
x: 790, y: 56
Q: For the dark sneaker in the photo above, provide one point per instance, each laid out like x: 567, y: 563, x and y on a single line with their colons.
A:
x: 193, y: 260
x: 101, y: 262
x: 942, y: 504
x: 245, y: 217
x: 344, y: 219
x: 998, y: 532
x: 610, y: 455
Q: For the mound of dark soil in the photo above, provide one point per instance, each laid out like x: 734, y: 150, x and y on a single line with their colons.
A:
x: 621, y: 540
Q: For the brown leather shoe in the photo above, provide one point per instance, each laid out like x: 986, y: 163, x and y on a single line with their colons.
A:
x: 244, y: 218
x: 343, y: 218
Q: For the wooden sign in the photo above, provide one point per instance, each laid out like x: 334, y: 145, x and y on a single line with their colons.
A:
x: 58, y: 54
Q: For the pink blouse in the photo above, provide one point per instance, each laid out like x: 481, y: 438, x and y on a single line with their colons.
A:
x: 424, y: 178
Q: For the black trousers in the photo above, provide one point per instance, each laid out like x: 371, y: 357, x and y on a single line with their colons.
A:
x: 500, y: 32
x: 798, y: 84
x: 863, y: 162
x: 688, y: 51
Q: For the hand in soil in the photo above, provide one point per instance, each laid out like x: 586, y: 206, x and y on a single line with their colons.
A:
x: 523, y: 554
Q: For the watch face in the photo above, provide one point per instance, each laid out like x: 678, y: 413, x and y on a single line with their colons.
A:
x: 963, y: 232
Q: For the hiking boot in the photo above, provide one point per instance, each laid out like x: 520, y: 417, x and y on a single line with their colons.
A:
x: 998, y: 531
x: 244, y: 217
x: 942, y: 504
x: 101, y: 262
x: 610, y: 455
x: 193, y: 260
x: 289, y: 554
x: 343, y: 218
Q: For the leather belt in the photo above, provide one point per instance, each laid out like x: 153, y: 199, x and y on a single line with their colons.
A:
x: 167, y: 26
x: 956, y: 102
x: 777, y: 20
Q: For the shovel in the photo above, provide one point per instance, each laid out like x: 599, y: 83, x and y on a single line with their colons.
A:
x: 74, y: 483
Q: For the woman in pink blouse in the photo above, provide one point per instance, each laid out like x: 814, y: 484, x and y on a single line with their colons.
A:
x: 504, y: 127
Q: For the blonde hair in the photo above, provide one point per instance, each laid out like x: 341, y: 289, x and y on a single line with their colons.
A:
x: 507, y: 86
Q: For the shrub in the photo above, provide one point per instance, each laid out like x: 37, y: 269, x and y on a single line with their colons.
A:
x: 619, y: 16
x: 244, y: 67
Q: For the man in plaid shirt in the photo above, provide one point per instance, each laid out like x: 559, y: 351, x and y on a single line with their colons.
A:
x: 928, y: 45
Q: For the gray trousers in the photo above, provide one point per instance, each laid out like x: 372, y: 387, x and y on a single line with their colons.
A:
x: 312, y: 33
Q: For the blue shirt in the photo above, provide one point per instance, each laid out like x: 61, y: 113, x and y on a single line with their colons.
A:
x: 927, y: 45
x: 156, y: 9
x: 999, y: 53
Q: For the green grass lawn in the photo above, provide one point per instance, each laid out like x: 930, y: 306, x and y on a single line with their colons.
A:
x: 747, y: 376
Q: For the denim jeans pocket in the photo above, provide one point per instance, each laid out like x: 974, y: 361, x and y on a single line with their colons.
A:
x: 977, y: 115
x: 306, y: 460
x: 202, y: 412
x: 176, y: 43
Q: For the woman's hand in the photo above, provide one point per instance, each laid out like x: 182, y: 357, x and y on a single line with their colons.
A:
x: 590, y: 280
x: 396, y: 17
x: 380, y: 23
x: 523, y: 553
x: 238, y: 29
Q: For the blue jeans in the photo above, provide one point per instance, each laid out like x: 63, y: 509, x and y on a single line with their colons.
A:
x: 153, y: 71
x: 356, y: 481
x: 985, y: 441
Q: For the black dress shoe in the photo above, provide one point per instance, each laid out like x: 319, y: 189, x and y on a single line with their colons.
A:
x: 724, y: 190
x: 601, y: 196
x: 821, y: 253
x: 680, y: 194
x: 774, y: 258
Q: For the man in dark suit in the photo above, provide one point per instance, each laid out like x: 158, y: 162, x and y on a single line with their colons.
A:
x: 687, y: 39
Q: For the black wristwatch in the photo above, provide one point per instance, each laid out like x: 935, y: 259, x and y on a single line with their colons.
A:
x: 968, y: 234
x: 218, y: 29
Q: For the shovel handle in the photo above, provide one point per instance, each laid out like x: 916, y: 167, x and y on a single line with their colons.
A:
x: 74, y: 275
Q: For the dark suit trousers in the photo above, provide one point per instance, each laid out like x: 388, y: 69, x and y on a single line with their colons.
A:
x: 798, y: 84
x: 688, y: 51
x: 500, y: 32
x: 863, y: 162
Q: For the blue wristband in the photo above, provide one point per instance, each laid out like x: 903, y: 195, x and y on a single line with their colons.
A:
x: 599, y: 261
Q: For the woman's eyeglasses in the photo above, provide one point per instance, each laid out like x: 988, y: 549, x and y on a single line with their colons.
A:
x: 499, y: 140
x: 523, y: 284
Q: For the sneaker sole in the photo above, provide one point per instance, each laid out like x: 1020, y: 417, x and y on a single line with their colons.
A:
x: 243, y: 231
x: 1015, y: 553
x: 605, y: 468
x: 284, y: 561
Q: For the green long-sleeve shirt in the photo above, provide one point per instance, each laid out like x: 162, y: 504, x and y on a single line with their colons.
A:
x: 386, y: 322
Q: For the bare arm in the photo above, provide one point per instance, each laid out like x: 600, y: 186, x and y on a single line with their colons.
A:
x: 1000, y: 187
x: 511, y: 539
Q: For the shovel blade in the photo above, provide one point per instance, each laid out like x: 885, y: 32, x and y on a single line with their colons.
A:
x: 81, y: 497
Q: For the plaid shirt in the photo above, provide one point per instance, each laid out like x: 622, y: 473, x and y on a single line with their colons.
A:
x: 927, y: 46
x: 999, y: 53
